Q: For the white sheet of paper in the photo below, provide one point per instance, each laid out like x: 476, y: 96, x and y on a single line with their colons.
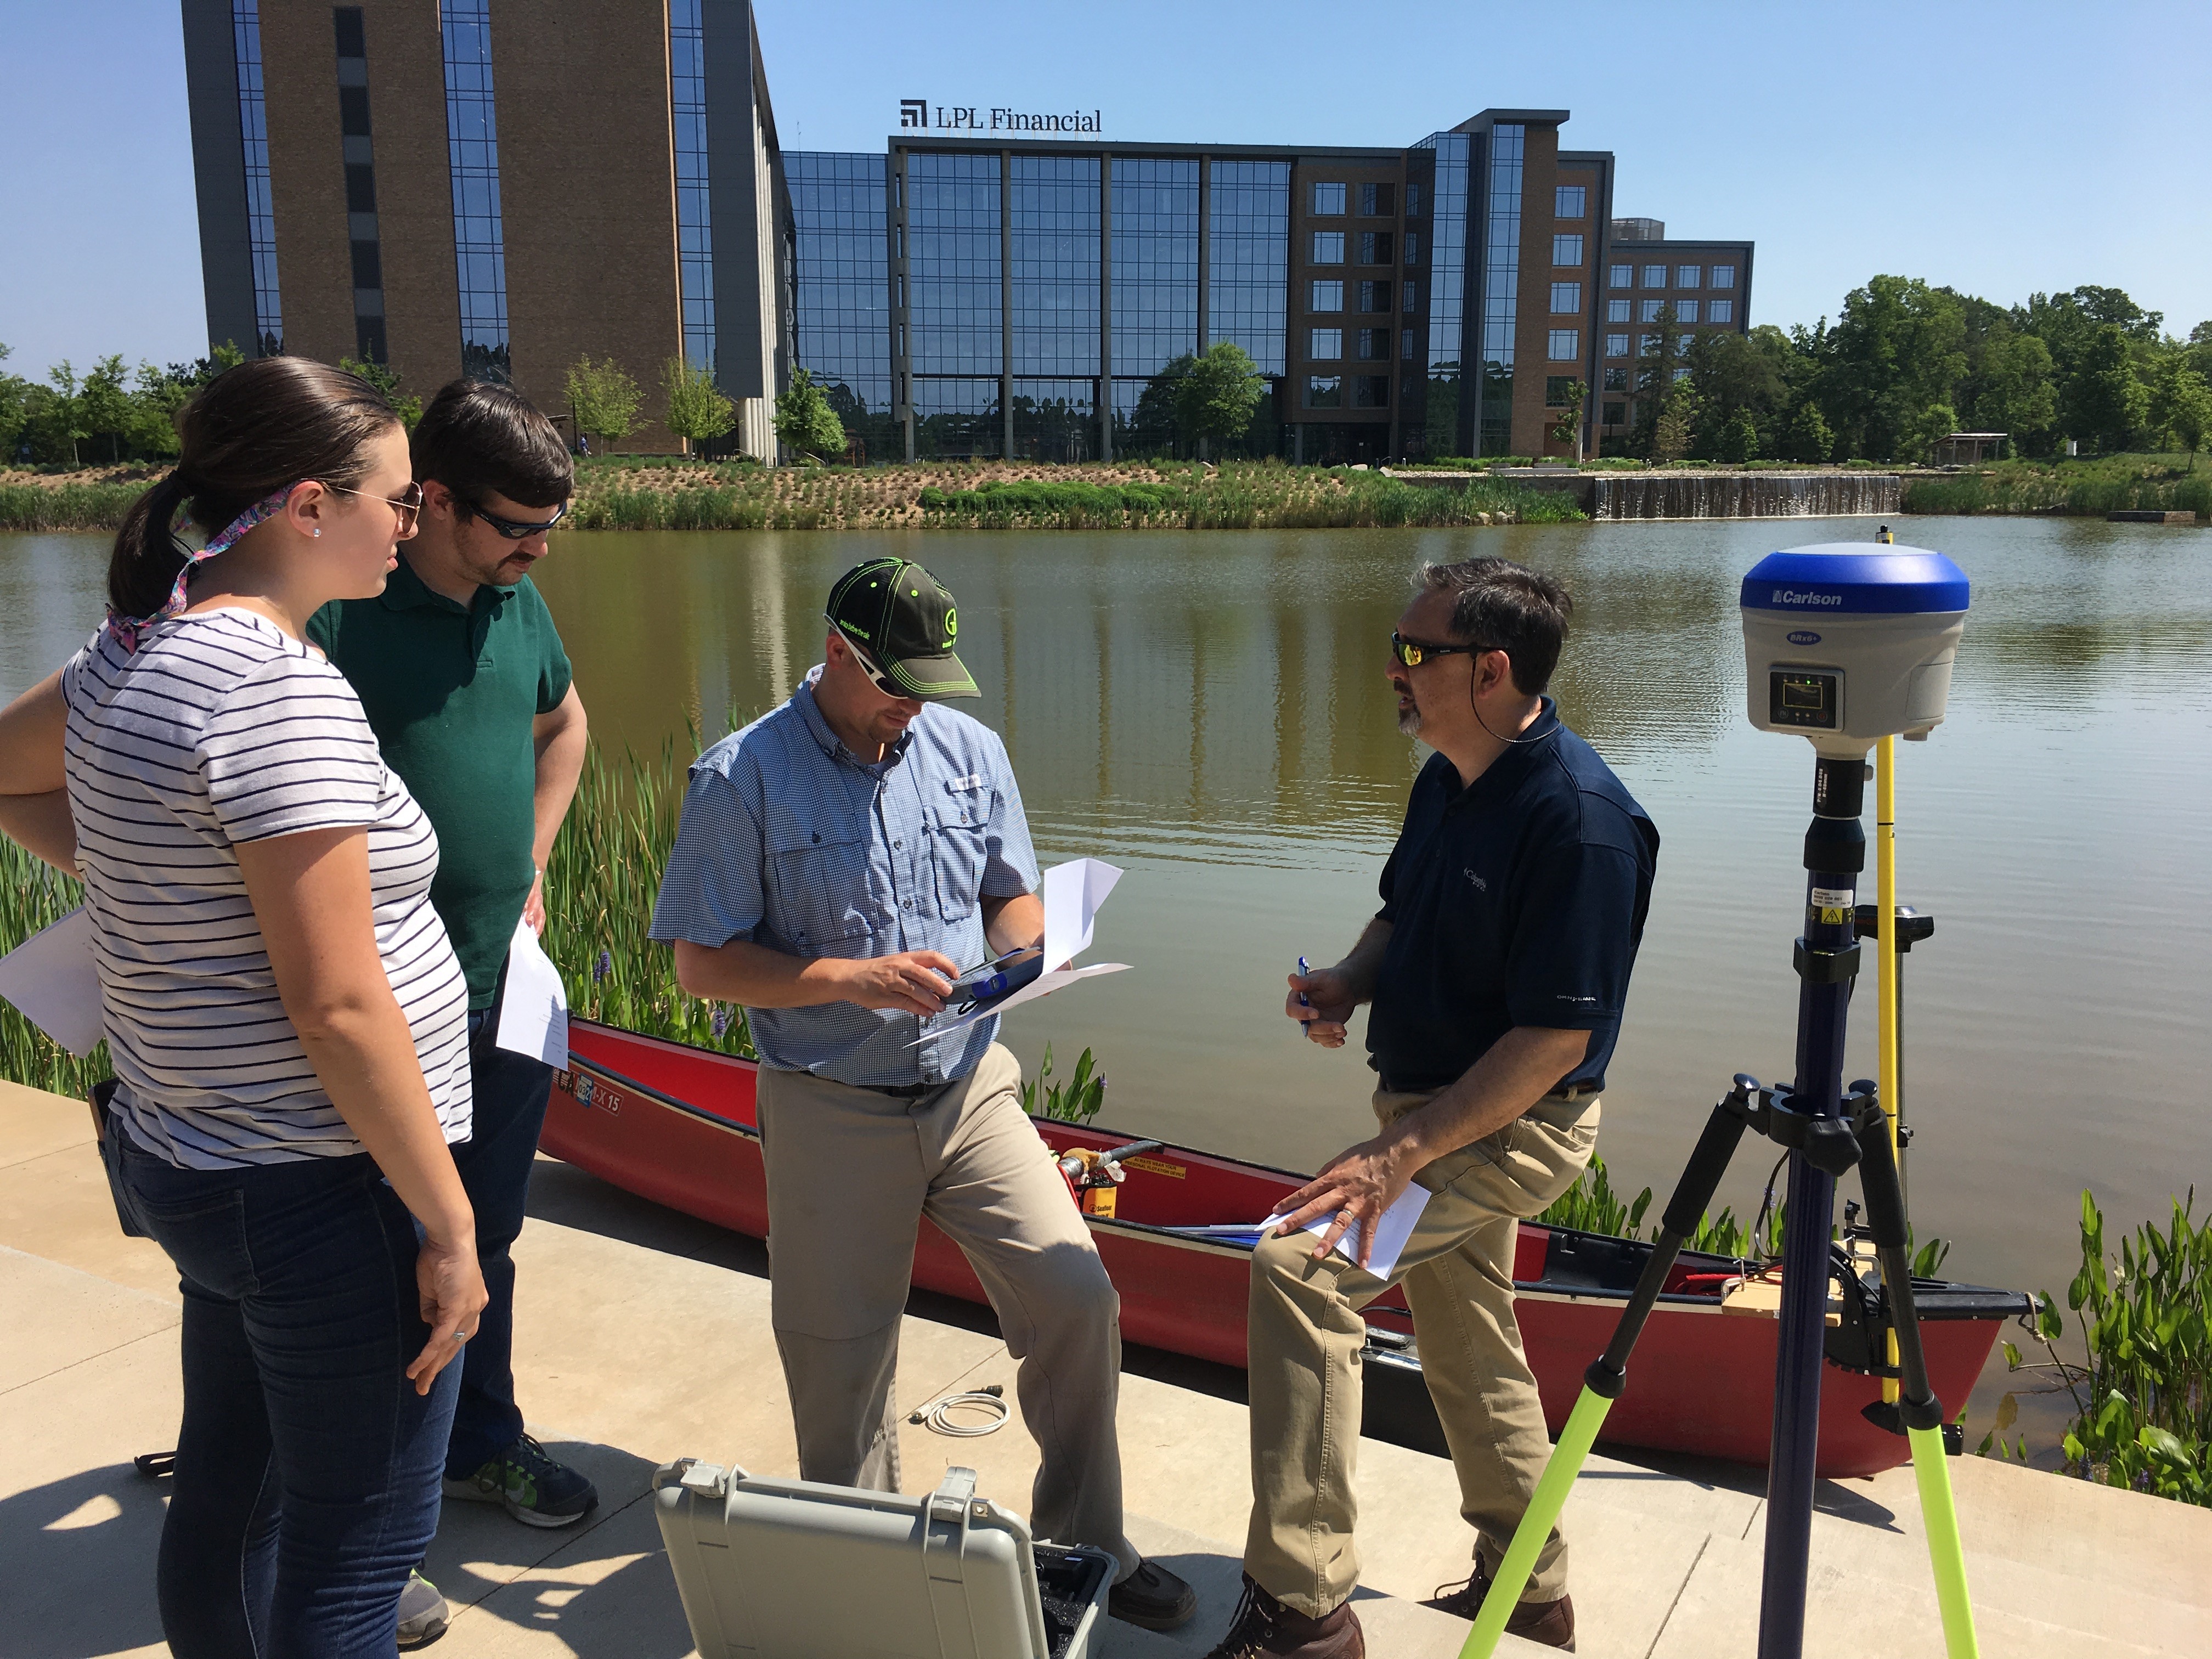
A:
x: 54, y: 982
x: 1043, y: 985
x: 534, y: 1011
x: 1391, y: 1232
x: 1072, y: 893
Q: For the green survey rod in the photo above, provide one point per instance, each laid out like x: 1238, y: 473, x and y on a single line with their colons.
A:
x: 1607, y: 1376
x: 1946, y: 1555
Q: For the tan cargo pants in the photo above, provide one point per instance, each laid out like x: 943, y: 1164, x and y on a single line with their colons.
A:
x: 1457, y: 1270
x: 850, y: 1173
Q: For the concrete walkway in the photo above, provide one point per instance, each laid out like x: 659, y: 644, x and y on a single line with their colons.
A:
x: 643, y: 1336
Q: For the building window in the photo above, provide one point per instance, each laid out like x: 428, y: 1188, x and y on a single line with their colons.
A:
x: 1378, y: 201
x: 1566, y: 298
x: 472, y: 144
x: 1328, y: 200
x: 1723, y: 275
x: 1567, y: 201
x: 1498, y: 283
x: 1646, y: 344
x: 1565, y: 345
x: 1616, y: 310
x: 1720, y: 311
x: 1409, y: 298
x: 1370, y: 391
x: 1559, y: 390
x: 366, y: 248
x: 1647, y: 311
x: 1325, y: 344
x: 1682, y: 345
x: 1412, y: 247
x: 1616, y: 380
x: 1616, y: 345
x: 1375, y: 296
x: 1378, y: 248
x: 1567, y: 250
x: 1325, y: 391
x: 1616, y: 414
x: 695, y: 243
x: 1621, y: 275
x: 1374, y: 345
x: 260, y: 212
x: 1686, y: 311
x: 1325, y: 296
x: 1654, y: 275
x: 1412, y: 196
x: 1681, y: 374
x: 1688, y: 275
x: 1327, y: 248
x: 1250, y: 209
x: 1406, y: 343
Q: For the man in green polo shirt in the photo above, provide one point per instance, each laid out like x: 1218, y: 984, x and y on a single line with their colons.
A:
x: 467, y: 688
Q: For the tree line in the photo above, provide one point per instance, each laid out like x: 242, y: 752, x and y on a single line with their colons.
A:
x: 1905, y: 363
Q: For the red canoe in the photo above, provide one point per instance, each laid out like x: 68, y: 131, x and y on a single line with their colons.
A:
x: 676, y: 1124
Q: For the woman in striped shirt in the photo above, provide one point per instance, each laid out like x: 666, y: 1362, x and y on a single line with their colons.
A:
x: 285, y: 1016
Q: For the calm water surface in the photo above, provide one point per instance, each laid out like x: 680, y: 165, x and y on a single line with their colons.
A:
x: 1209, y: 711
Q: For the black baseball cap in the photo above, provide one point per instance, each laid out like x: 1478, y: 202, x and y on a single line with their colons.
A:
x: 903, y: 617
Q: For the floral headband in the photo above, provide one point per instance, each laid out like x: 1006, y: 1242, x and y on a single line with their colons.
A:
x: 129, y: 631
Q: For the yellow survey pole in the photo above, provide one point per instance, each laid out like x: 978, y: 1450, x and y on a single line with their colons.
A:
x: 1885, y: 881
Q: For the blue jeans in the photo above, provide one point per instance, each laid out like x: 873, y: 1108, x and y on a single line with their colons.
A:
x: 307, y: 1476
x: 511, y: 1092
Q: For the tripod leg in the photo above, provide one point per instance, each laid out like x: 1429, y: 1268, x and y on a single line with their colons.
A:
x: 1916, y: 1402
x: 1607, y: 1375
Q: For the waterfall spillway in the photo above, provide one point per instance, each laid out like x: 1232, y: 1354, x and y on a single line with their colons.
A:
x: 1744, y: 494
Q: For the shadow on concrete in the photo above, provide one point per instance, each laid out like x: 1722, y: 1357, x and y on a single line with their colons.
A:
x: 79, y: 1556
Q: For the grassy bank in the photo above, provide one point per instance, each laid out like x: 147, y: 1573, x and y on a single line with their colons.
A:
x: 71, y: 506
x: 2089, y: 487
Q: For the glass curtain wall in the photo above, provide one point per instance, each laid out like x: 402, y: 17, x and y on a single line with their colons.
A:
x: 953, y: 306
x: 1441, y: 168
x: 695, y: 244
x: 1501, y: 280
x: 260, y: 213
x: 1248, y: 282
x: 472, y: 146
x: 1053, y: 240
x: 843, y: 306
x: 1155, y: 304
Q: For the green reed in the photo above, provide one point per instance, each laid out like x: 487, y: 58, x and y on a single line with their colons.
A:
x: 32, y: 894
x: 66, y: 507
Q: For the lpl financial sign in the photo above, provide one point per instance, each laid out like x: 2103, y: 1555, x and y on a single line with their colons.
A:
x: 919, y: 113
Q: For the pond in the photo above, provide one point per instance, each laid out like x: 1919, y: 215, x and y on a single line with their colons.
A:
x: 1208, y: 710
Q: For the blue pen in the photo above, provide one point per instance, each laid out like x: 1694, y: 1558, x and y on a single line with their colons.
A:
x: 1303, y: 971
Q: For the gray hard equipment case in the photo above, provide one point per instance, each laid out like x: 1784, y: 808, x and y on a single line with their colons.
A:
x: 790, y: 1570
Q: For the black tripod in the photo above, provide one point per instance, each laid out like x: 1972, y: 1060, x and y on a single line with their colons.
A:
x: 1826, y: 1130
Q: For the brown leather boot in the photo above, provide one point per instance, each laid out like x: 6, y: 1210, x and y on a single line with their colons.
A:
x: 1547, y: 1623
x: 1265, y: 1629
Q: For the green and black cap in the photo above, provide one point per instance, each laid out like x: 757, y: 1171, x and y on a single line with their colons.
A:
x: 904, y: 619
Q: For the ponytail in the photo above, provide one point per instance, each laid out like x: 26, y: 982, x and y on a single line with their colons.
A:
x: 252, y: 431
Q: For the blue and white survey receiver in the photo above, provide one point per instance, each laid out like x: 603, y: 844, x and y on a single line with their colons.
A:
x: 1845, y: 643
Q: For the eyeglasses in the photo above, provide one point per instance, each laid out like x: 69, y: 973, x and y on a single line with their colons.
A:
x: 513, y: 529
x: 408, y: 507
x: 1412, y: 653
x: 877, y: 678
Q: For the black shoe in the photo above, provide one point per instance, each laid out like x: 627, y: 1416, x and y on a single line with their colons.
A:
x: 535, y: 1489
x: 1547, y: 1623
x: 1152, y: 1598
x: 1265, y: 1629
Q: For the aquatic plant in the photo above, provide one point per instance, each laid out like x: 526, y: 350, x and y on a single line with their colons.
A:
x: 32, y: 894
x: 66, y: 507
x: 1076, y: 1100
x: 2142, y: 1395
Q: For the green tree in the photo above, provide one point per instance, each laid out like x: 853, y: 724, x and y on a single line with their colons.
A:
x: 1217, y: 395
x: 2009, y: 388
x: 57, y: 415
x: 1664, y: 427
x: 1808, y: 437
x: 1889, y: 368
x: 14, y: 409
x: 107, y: 410
x: 1568, y: 428
x: 805, y: 423
x: 697, y: 408
x: 2108, y: 405
x: 387, y: 382
x: 1739, y: 439
x: 1740, y: 374
x: 2182, y: 409
x: 604, y: 398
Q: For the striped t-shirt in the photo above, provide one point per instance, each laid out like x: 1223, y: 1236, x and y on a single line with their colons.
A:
x: 221, y: 728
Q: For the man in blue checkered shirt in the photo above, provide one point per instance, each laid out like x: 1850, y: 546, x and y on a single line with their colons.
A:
x: 840, y: 862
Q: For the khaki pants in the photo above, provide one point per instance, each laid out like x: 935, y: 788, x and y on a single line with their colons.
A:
x: 850, y: 1173
x: 1457, y: 1270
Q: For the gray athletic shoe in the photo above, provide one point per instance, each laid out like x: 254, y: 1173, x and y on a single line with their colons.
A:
x: 424, y: 1614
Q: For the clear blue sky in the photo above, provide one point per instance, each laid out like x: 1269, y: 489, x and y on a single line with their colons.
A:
x: 2000, y: 150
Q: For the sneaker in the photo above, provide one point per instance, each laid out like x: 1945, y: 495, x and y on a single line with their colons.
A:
x: 1152, y: 1598
x: 1547, y: 1623
x: 1265, y: 1629
x: 536, y: 1490
x: 424, y: 1614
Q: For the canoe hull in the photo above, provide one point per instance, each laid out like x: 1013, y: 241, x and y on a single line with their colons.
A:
x: 676, y: 1125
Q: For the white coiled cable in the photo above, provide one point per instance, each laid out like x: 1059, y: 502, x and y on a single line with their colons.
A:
x: 934, y: 1416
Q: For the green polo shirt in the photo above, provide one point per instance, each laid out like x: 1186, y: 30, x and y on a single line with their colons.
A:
x: 451, y: 691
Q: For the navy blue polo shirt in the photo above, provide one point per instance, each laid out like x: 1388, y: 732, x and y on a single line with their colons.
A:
x: 1517, y: 900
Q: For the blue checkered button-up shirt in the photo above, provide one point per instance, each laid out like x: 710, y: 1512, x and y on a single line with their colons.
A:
x: 789, y: 841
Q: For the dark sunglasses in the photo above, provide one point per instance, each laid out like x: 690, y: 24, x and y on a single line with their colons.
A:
x: 513, y: 529
x: 877, y: 678
x: 1412, y: 653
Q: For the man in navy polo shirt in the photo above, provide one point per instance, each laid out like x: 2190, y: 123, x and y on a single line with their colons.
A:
x: 1496, y: 969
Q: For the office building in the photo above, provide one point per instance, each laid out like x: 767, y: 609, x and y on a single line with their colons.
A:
x: 411, y: 183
